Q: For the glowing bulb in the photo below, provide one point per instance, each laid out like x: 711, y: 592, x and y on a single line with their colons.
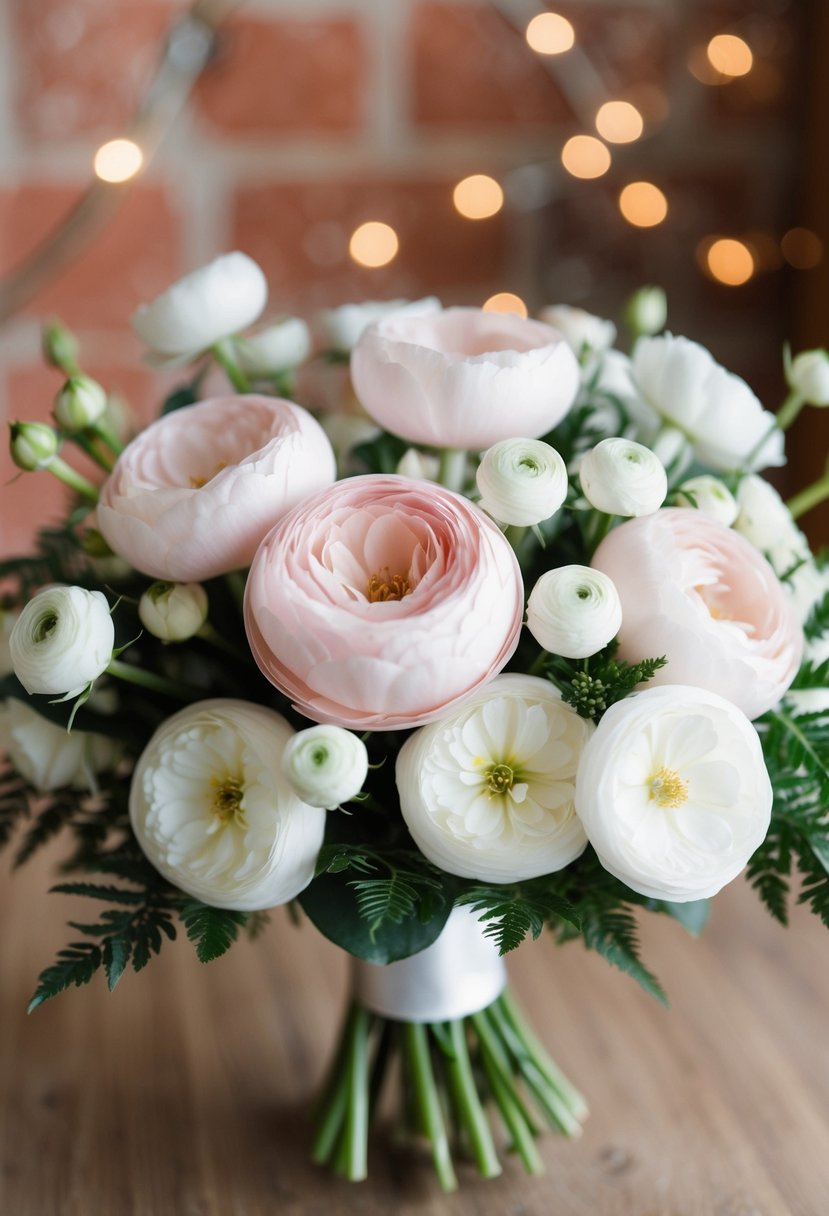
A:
x: 585, y: 156
x: 118, y: 160
x: 550, y: 34
x: 730, y: 262
x: 505, y: 301
x: 373, y: 244
x: 730, y: 55
x: 643, y: 204
x: 478, y: 197
x: 619, y: 122
x: 802, y: 248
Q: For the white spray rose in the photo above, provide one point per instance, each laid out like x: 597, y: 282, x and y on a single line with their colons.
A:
x: 673, y: 792
x: 325, y: 765
x: 342, y: 327
x: 279, y: 347
x: 583, y: 332
x: 766, y: 521
x: 521, y: 481
x: 214, y: 814
x: 487, y: 792
x: 808, y: 376
x: 62, y: 640
x: 213, y: 302
x: 574, y: 611
x: 47, y: 755
x: 173, y: 611
x: 711, y: 496
x: 621, y: 477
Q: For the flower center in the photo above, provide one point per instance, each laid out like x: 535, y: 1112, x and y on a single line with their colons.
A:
x: 499, y: 779
x: 383, y: 586
x: 227, y: 800
x: 45, y: 627
x: 196, y: 483
x: 668, y: 789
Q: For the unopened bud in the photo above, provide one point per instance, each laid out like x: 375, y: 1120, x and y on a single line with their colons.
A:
x: 79, y: 404
x: 647, y: 311
x: 33, y: 445
x: 60, y: 347
x: 808, y: 376
x: 173, y: 612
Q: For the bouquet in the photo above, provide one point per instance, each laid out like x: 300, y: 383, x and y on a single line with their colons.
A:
x: 503, y: 634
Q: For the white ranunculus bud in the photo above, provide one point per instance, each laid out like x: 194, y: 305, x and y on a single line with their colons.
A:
x: 173, y: 612
x: 419, y: 465
x: 574, y: 611
x: 583, y: 332
x: 33, y: 445
x: 279, y: 347
x: 80, y: 403
x: 646, y: 311
x: 621, y: 477
x: 62, y: 640
x: 711, y: 496
x: 342, y: 327
x: 766, y: 521
x: 47, y: 755
x: 808, y: 376
x: 325, y: 765
x: 521, y: 481
x: 673, y: 792
x: 213, y: 302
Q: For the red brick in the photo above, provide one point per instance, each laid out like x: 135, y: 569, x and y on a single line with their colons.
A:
x: 287, y: 75
x: 299, y: 234
x: 83, y: 66
x: 134, y: 256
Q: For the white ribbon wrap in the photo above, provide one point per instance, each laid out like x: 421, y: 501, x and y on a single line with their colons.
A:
x: 459, y: 974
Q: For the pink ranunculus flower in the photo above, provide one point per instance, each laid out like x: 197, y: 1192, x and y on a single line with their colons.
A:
x: 193, y: 495
x: 703, y: 596
x: 464, y: 378
x: 383, y: 601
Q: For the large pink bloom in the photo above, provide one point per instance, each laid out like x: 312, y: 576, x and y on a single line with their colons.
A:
x: 703, y: 596
x: 464, y: 378
x: 324, y: 628
x: 193, y: 495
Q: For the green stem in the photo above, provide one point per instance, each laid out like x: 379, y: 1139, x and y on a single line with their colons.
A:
x: 516, y: 536
x: 352, y: 1155
x: 554, y: 1107
x: 153, y: 681
x: 513, y: 1117
x: 789, y: 410
x: 416, y: 1045
x: 600, y: 529
x: 224, y: 356
x: 208, y: 634
x: 108, y: 436
x: 811, y: 497
x: 87, y: 444
x: 236, y: 582
x: 452, y: 470
x: 71, y: 478
x: 494, y: 1050
x: 538, y: 665
x: 506, y: 1005
x: 471, y: 1113
x: 332, y: 1119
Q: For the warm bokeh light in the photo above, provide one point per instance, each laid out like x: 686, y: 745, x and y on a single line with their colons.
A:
x: 506, y: 301
x: 802, y: 248
x: 478, y: 197
x: 373, y: 244
x: 619, y: 122
x: 118, y: 160
x: 643, y: 204
x: 728, y: 261
x: 550, y: 34
x: 730, y: 55
x: 585, y: 156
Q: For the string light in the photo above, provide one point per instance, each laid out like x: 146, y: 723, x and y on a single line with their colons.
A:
x: 585, y: 156
x: 802, y: 248
x: 373, y: 244
x: 619, y: 122
x: 478, y: 197
x: 643, y: 204
x: 118, y: 160
x: 506, y: 301
x: 727, y: 260
x: 729, y: 55
x: 550, y: 34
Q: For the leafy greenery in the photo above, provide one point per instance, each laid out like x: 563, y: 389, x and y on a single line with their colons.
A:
x: 600, y: 681
x: 211, y: 930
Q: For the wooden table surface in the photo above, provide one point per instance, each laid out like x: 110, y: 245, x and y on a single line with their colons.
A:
x: 184, y: 1092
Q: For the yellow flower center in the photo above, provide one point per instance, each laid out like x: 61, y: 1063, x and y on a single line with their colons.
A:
x: 196, y: 483
x: 500, y: 779
x: 227, y: 800
x: 667, y: 788
x: 384, y: 586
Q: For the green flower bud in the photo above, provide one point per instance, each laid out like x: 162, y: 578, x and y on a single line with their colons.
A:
x: 647, y: 311
x: 60, y: 347
x: 79, y: 404
x: 33, y: 445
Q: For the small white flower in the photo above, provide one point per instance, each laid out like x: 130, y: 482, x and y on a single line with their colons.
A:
x: 583, y: 332
x: 487, y: 792
x: 711, y: 496
x: 673, y: 792
x: 80, y: 403
x: 173, y: 612
x: 279, y: 347
x: 213, y: 302
x: 808, y: 376
x: 766, y: 521
x: 342, y: 327
x: 621, y: 477
x: 62, y: 640
x: 647, y: 311
x: 325, y: 765
x: 521, y: 481
x: 47, y: 755
x: 419, y: 465
x: 574, y: 611
x: 213, y: 813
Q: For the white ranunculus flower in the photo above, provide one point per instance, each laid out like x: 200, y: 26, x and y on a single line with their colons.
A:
x: 673, y: 792
x: 62, y: 640
x: 419, y: 465
x: 279, y: 347
x: 214, y: 814
x: 521, y: 481
x: 766, y: 521
x: 621, y: 477
x: 807, y: 375
x: 716, y: 410
x: 487, y: 792
x: 574, y: 611
x: 325, y: 765
x: 7, y: 620
x: 342, y: 327
x: 173, y: 612
x: 47, y: 755
x: 212, y: 302
x: 711, y: 496
x: 583, y: 332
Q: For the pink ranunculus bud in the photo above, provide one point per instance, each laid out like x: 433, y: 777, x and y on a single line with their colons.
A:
x: 464, y: 378
x: 701, y: 595
x: 383, y: 601
x: 194, y: 494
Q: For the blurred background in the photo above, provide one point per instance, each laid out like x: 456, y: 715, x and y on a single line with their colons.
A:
x: 373, y: 149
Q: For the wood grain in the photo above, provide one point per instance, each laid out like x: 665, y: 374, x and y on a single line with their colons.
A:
x: 184, y: 1093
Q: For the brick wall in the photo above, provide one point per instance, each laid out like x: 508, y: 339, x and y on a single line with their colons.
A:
x: 314, y: 117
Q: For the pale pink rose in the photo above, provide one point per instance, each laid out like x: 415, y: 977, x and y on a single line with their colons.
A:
x: 464, y: 378
x: 193, y: 495
x: 321, y: 630
x: 703, y: 596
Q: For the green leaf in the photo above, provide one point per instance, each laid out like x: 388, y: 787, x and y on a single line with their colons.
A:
x: 76, y: 965
x: 211, y: 930
x: 614, y: 935
x: 693, y: 915
x: 185, y: 394
x: 116, y: 955
x: 114, y: 895
x: 509, y: 913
